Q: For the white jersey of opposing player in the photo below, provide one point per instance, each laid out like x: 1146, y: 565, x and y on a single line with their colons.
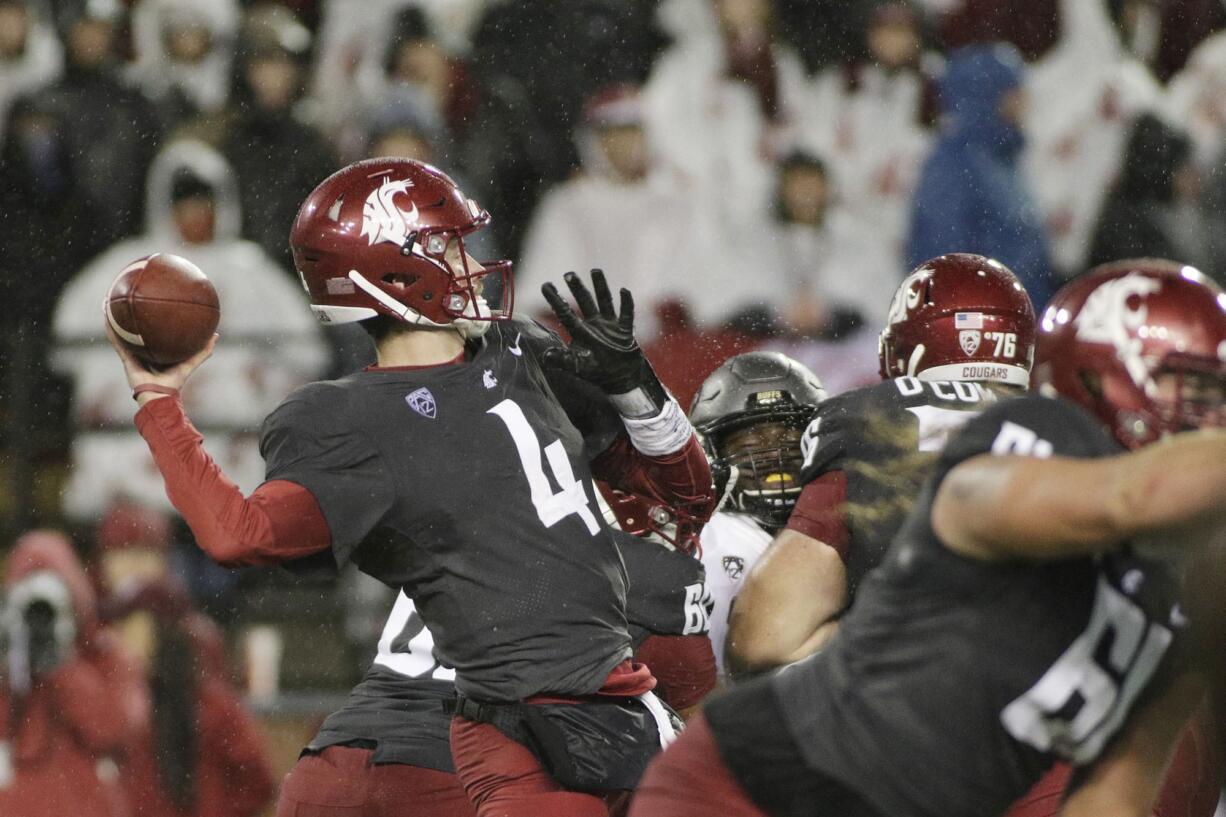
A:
x: 731, y: 544
x: 407, y: 647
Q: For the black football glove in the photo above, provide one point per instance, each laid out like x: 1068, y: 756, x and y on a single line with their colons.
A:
x: 602, y: 348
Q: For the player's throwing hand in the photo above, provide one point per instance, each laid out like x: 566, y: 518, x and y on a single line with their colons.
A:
x: 149, y: 384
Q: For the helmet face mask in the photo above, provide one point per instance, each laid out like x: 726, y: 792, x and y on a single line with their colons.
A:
x: 1189, y: 395
x: 959, y: 317
x: 750, y: 413
x: 1141, y: 344
x: 768, y: 462
x: 386, y: 237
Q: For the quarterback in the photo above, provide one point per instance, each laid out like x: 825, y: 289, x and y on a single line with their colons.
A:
x: 459, y: 469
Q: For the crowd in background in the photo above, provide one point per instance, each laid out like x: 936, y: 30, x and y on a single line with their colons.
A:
x: 757, y: 172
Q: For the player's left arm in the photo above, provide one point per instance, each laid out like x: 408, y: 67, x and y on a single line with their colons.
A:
x: 660, y: 457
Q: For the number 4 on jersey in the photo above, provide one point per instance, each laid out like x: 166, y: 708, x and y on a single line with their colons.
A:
x: 571, y: 497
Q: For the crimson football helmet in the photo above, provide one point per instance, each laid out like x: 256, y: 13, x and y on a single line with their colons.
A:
x: 1107, y: 339
x: 386, y: 237
x: 959, y: 317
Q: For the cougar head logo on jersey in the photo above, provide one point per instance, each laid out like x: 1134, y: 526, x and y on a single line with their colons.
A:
x: 382, y: 219
x: 1113, y: 313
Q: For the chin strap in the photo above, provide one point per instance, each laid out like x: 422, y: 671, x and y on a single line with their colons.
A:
x: 468, y: 329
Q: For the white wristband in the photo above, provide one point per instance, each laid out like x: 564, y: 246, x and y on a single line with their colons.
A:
x: 664, y: 434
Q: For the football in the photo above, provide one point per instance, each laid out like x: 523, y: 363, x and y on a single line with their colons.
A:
x: 163, y: 308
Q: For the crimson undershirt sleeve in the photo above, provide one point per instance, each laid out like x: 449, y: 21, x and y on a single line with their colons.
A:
x: 281, y: 521
x: 819, y: 511
x: 680, y: 479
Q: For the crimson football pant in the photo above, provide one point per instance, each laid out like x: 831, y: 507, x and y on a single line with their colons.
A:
x: 341, y: 781
x: 689, y: 779
x: 505, y: 779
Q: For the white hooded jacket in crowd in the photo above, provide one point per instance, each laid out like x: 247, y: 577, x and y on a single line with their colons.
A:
x: 269, y: 345
x: 1082, y: 98
x: 206, y: 83
x: 711, y: 131
x: 874, y: 146
x: 1196, y: 99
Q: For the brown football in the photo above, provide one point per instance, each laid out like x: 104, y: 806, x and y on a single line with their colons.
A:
x: 163, y: 308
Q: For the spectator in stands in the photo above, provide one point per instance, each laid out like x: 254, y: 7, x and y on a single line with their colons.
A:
x: 811, y: 252
x: 31, y: 56
x: 971, y: 195
x: 131, y: 542
x: 278, y: 156
x: 1163, y: 33
x: 1196, y: 98
x: 1033, y: 26
x: 1082, y: 98
x: 269, y: 345
x: 184, y: 55
x: 415, y: 58
x: 45, y: 210
x: 721, y: 102
x: 356, y: 36
x: 196, y: 752
x: 1152, y: 209
x: 111, y: 130
x: 65, y: 704
x: 627, y: 214
x: 801, y: 243
x: 872, y: 121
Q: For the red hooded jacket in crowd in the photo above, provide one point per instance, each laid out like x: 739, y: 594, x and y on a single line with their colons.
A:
x: 58, y: 741
x: 219, y: 764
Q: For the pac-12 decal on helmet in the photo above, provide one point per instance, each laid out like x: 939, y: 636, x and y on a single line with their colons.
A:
x: 1108, y: 337
x: 386, y: 237
x: 959, y: 317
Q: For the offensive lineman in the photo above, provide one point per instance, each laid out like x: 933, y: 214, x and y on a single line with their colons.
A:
x: 750, y: 412
x: 959, y: 335
x: 458, y: 469
x: 1029, y: 609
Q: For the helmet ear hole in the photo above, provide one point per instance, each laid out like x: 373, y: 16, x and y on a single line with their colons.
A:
x: 400, y: 279
x: 1093, y: 383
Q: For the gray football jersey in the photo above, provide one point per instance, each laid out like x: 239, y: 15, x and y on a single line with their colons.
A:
x: 468, y: 486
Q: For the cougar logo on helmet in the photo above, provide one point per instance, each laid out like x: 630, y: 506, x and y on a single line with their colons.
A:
x: 1108, y: 318
x: 382, y: 219
x: 907, y: 297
